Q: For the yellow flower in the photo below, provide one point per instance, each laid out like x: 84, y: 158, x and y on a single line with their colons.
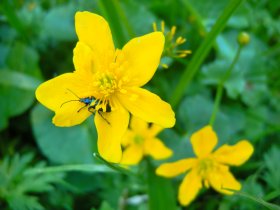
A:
x: 141, y: 140
x: 107, y: 82
x: 209, y: 168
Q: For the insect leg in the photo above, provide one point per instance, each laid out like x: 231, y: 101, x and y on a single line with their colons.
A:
x: 82, y: 107
x: 100, y: 113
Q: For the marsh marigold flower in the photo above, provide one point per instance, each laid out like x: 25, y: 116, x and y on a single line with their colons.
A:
x: 107, y: 81
x: 209, y: 168
x: 140, y: 139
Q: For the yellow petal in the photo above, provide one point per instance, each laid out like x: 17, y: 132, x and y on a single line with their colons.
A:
x: 62, y: 94
x: 128, y: 138
x: 110, y: 135
x: 157, y: 149
x: 53, y: 93
x: 175, y: 168
x: 94, y: 31
x: 132, y: 155
x: 234, y: 155
x: 147, y: 106
x: 84, y: 59
x: 204, y: 141
x: 189, y: 188
x: 142, y: 55
x: 155, y: 130
x: 138, y: 125
x: 221, y: 179
x: 69, y: 116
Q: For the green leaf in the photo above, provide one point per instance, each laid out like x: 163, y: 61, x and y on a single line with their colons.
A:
x: 62, y: 145
x: 9, y: 11
x: 16, y: 186
x: 58, y: 23
x: 14, y: 101
x: 271, y: 160
x: 260, y: 201
x: 23, y: 58
x: 105, y: 206
x: 212, y: 74
x: 18, y: 80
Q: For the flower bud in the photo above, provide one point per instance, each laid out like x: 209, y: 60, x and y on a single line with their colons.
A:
x: 243, y: 38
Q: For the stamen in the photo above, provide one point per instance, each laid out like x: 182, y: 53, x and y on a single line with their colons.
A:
x: 204, y: 166
x: 110, y: 81
x: 162, y: 26
x: 173, y: 30
x: 154, y: 26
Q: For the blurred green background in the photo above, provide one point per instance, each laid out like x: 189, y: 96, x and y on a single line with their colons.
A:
x: 47, y: 167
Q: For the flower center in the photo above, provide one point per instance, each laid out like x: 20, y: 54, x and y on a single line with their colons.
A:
x: 111, y: 79
x: 138, y: 139
x: 106, y: 84
x: 205, y: 165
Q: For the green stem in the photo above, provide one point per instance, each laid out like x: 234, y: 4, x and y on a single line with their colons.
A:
x: 111, y: 10
x: 160, y: 190
x: 115, y: 166
x: 202, y: 52
x: 219, y: 92
x: 66, y: 168
x: 123, y: 18
x: 272, y: 195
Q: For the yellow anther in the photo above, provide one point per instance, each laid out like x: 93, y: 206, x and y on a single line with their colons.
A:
x: 180, y: 40
x: 162, y: 26
x: 173, y: 31
x: 164, y: 65
x: 154, y: 26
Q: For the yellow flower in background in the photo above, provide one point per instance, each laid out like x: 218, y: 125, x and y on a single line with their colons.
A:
x: 141, y: 140
x: 107, y: 82
x: 209, y: 168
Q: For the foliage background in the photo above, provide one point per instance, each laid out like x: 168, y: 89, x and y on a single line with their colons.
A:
x: 46, y: 167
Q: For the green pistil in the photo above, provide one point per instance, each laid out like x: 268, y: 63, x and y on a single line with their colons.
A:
x: 138, y: 139
x: 204, y: 166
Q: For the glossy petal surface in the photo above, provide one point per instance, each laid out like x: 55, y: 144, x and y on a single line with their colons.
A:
x: 132, y: 155
x: 221, y: 179
x: 204, y: 141
x: 189, y: 188
x: 142, y: 55
x: 94, y: 31
x: 60, y: 94
x: 147, y: 106
x: 110, y: 135
x: 157, y: 149
x: 175, y: 168
x: 234, y: 155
